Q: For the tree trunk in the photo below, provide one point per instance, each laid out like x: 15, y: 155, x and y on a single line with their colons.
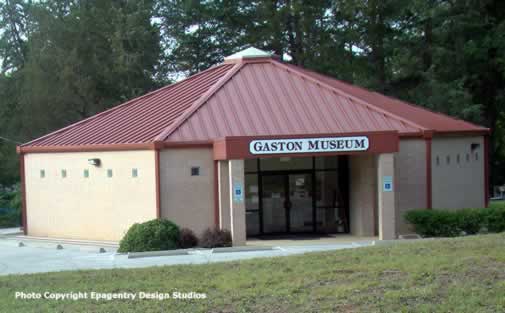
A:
x: 377, y: 32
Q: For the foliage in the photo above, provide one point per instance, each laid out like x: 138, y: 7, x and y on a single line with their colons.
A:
x: 451, y: 223
x: 63, y: 61
x: 154, y: 235
x: 10, y: 199
x: 215, y: 238
x: 187, y: 239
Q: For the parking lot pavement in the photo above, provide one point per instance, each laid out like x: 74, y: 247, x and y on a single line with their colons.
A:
x: 10, y: 231
x: 37, y: 258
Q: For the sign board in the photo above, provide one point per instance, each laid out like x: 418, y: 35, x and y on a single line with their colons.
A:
x: 387, y: 183
x: 238, y: 193
x: 309, y: 145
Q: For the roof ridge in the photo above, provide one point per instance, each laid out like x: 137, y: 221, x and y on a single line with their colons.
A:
x: 129, y: 102
x: 199, y: 102
x: 296, y: 69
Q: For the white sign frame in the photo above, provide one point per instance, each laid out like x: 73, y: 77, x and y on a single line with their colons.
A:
x: 309, y: 145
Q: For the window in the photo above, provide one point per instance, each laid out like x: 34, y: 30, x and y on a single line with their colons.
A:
x: 437, y: 160
x: 195, y: 171
x: 476, y: 156
x: 63, y: 173
x: 457, y: 158
x: 42, y: 173
x: 135, y: 172
x: 448, y: 159
x: 109, y: 173
x: 86, y: 173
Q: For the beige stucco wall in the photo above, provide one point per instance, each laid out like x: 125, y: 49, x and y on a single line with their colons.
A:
x: 224, y: 195
x: 94, y: 208
x: 187, y: 200
x: 457, y: 185
x: 363, y: 194
x: 410, y: 172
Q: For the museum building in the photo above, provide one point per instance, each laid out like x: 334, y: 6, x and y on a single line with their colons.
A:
x: 256, y: 146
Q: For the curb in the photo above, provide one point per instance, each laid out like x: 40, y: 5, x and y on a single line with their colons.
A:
x: 242, y: 249
x: 136, y: 255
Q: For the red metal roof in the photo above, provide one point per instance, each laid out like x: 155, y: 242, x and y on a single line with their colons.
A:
x: 429, y: 119
x: 139, y: 120
x: 251, y: 97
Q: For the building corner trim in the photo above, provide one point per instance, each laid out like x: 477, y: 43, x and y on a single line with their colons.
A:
x: 216, y: 194
x: 429, y: 200
x: 157, y: 182
x: 24, y: 220
x: 486, y: 170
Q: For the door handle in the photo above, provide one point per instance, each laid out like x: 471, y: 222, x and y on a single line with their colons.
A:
x: 287, y: 205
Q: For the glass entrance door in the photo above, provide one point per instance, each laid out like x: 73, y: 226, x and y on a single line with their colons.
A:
x: 274, y: 204
x: 301, y: 218
x: 287, y: 203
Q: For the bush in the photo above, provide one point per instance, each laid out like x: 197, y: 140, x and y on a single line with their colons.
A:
x: 154, y: 235
x: 494, y: 220
x: 445, y: 223
x: 470, y: 221
x: 215, y: 238
x: 10, y: 219
x: 433, y: 223
x: 187, y: 239
x: 10, y: 202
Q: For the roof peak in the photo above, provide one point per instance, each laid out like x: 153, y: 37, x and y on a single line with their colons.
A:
x: 250, y: 53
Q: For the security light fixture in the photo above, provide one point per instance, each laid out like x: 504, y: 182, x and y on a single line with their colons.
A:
x: 474, y: 146
x: 94, y: 162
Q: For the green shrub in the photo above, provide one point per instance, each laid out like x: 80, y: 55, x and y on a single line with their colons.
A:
x: 187, y: 239
x: 494, y: 220
x: 470, y: 221
x: 10, y: 199
x: 154, y: 235
x: 451, y: 223
x: 11, y: 219
x: 215, y: 238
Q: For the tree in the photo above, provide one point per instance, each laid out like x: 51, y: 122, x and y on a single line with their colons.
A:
x: 84, y: 57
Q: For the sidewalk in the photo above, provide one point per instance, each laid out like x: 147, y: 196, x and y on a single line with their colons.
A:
x: 10, y: 231
x: 36, y: 257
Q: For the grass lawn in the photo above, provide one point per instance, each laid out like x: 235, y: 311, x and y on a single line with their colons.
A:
x: 450, y: 275
x: 497, y: 204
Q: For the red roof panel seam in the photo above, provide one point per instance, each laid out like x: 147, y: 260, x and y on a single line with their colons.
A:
x: 259, y: 109
x: 200, y: 102
x: 309, y: 121
x: 150, y: 109
x: 266, y: 93
x: 241, y: 99
x: 315, y: 108
x: 358, y: 100
x: 263, y: 99
x: 284, y: 97
x: 101, y: 113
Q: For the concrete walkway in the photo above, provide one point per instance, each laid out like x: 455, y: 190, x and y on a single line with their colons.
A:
x: 37, y: 257
x: 10, y: 231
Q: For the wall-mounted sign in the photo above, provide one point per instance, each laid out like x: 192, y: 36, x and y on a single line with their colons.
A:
x: 309, y: 145
x: 387, y: 183
x: 238, y: 194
